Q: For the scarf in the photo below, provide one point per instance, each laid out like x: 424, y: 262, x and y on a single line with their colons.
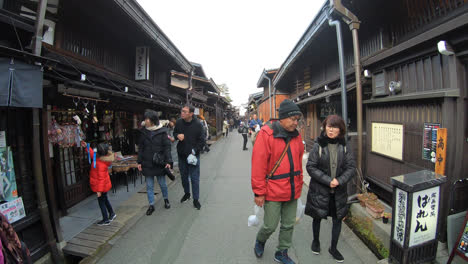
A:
x: 154, y: 128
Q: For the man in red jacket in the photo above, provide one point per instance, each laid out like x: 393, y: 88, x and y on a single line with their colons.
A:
x: 278, y: 194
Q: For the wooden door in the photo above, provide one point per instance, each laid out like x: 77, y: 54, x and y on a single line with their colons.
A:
x: 72, y: 168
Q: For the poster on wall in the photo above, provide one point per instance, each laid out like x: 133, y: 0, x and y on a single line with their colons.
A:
x: 8, y: 189
x: 13, y: 210
x: 2, y: 139
x: 424, y: 216
x: 430, y: 141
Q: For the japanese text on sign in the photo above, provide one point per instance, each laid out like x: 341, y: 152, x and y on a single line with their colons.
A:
x: 400, y: 216
x: 430, y: 142
x: 387, y: 139
x: 424, y: 216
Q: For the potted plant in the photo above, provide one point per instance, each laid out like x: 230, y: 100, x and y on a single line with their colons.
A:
x: 386, y: 217
x: 374, y: 208
x: 366, y: 197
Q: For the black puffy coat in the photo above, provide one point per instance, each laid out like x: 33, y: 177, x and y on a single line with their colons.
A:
x: 318, y: 168
x: 151, y: 142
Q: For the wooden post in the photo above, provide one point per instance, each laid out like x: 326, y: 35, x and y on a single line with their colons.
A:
x: 441, y: 151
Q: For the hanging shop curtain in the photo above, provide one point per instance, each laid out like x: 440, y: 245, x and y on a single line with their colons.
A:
x: 20, y: 84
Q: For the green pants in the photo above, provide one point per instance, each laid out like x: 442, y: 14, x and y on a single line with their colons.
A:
x: 274, y: 211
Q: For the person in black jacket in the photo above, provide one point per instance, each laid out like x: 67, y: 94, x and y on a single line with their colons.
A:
x: 189, y: 132
x: 331, y: 167
x: 154, y: 156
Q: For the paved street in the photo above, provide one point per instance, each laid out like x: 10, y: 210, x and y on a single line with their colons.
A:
x: 218, y: 233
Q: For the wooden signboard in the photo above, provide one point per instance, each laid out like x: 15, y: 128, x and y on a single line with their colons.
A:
x: 441, y: 151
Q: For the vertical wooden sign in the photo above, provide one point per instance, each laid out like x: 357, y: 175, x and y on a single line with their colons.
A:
x: 441, y: 151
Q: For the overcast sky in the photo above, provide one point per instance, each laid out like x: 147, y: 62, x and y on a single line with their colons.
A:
x: 234, y: 40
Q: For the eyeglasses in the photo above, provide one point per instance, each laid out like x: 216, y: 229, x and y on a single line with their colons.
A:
x: 184, y: 111
x: 295, y: 119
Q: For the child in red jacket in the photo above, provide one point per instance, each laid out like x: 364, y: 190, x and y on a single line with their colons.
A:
x: 99, y: 179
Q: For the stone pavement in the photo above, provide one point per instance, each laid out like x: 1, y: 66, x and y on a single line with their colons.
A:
x: 218, y: 233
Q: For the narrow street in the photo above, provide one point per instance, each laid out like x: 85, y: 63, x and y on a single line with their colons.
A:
x: 218, y: 233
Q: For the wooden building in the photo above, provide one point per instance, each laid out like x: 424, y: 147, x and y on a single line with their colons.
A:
x: 203, y: 94
x: 268, y: 109
x: 104, y: 67
x: 407, y: 79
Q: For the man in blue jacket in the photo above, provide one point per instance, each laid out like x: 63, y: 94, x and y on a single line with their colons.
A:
x: 255, y: 121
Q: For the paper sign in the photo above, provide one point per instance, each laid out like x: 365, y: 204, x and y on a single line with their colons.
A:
x: 13, y: 210
x: 424, y: 216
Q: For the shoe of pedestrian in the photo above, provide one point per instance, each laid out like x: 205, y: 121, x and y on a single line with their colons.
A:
x: 259, y: 248
x: 185, y: 197
x: 150, y: 210
x: 336, y: 255
x: 246, y: 149
x: 196, y: 204
x: 315, y: 247
x: 103, y: 223
x: 282, y: 257
x: 112, y: 217
x: 167, y: 205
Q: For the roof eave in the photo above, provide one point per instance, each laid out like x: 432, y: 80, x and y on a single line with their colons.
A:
x: 303, y: 43
x: 139, y: 15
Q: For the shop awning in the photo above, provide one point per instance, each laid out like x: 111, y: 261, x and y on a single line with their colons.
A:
x: 20, y: 84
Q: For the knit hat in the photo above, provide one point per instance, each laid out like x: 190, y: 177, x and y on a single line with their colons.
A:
x: 288, y: 108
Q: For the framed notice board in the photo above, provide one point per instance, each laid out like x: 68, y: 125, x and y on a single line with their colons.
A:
x: 387, y: 140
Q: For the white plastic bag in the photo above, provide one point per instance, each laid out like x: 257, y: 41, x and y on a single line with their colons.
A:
x: 253, y: 219
x: 192, y: 159
x: 300, y: 210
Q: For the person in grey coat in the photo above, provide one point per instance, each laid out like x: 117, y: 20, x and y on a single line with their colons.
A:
x: 330, y: 166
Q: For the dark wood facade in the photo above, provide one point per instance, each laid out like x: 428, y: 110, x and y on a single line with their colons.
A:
x: 398, y: 42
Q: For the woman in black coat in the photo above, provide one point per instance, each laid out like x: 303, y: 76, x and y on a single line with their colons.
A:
x: 331, y: 167
x: 154, y: 139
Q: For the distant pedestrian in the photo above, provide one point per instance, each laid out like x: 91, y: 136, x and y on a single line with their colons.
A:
x: 225, y: 128
x: 231, y: 124
x: 12, y: 249
x: 99, y: 179
x: 189, y: 132
x: 255, y: 125
x: 330, y: 166
x: 278, y: 156
x: 206, y: 133
x: 154, y: 157
x: 244, y: 130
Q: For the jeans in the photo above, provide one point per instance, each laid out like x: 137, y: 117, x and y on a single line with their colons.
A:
x: 105, y: 206
x: 190, y: 171
x: 150, y: 187
x: 245, y: 140
x: 274, y: 212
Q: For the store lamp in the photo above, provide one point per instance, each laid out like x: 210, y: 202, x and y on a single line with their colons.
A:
x: 445, y: 48
x: 367, y: 74
x: 126, y: 89
x: 83, y: 77
x: 326, y: 88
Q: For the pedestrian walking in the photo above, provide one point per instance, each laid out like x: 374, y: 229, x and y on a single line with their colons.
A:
x: 99, y: 179
x: 189, y: 132
x: 206, y: 132
x: 154, y: 157
x: 330, y: 166
x: 255, y: 125
x: 244, y: 130
x: 277, y: 178
x: 231, y: 124
x: 225, y: 128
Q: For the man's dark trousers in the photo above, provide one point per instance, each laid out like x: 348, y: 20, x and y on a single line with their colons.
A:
x: 245, y: 140
x: 186, y: 171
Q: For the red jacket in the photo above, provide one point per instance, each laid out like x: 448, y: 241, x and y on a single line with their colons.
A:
x: 99, y: 178
x: 287, y: 181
